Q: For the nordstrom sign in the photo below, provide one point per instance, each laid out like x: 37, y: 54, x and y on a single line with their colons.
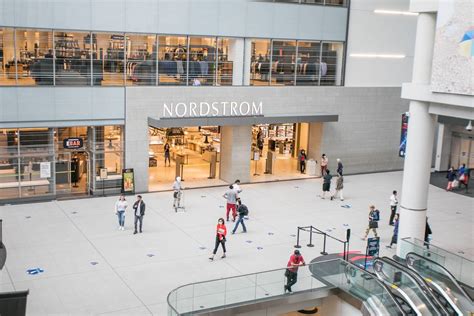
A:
x: 205, y: 109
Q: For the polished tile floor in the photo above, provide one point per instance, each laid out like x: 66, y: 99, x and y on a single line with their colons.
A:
x: 92, y: 268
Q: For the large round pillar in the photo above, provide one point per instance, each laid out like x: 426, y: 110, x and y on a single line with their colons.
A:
x: 419, y: 149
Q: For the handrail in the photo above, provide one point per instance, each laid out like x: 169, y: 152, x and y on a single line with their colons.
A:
x: 421, y: 282
x: 232, y: 277
x: 450, y: 276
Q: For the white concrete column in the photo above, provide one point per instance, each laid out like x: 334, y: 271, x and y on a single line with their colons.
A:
x: 236, y: 54
x: 247, y: 61
x: 235, y: 153
x: 421, y: 128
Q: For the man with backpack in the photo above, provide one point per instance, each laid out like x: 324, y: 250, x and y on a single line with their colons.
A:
x: 243, y: 211
x: 374, y: 217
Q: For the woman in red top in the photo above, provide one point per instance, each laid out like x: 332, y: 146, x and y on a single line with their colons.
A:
x: 221, y: 232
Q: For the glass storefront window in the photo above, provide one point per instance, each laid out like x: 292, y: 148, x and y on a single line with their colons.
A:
x: 225, y: 64
x: 308, y: 63
x: 108, y: 58
x: 260, y: 63
x: 202, y: 61
x: 331, y: 64
x: 7, y: 57
x: 283, y: 63
x: 34, y: 57
x: 73, y: 58
x: 172, y: 60
x: 141, y: 60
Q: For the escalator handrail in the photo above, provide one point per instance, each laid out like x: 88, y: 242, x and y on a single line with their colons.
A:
x: 428, y: 296
x: 387, y: 289
x: 420, y: 281
x: 446, y: 271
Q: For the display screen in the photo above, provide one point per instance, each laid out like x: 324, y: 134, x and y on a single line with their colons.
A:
x: 403, y: 135
x: 128, y: 181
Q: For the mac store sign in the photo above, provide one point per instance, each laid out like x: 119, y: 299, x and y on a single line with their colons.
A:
x: 212, y: 109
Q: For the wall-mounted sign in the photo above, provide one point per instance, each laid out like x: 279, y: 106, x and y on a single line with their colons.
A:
x: 128, y: 181
x: 403, y: 136
x: 212, y: 109
x: 45, y: 169
x: 73, y: 143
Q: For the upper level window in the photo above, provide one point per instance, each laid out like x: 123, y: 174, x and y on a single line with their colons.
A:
x: 260, y: 63
x: 140, y: 68
x: 172, y: 60
x: 202, y: 61
x: 7, y: 57
x: 34, y: 57
x: 73, y: 58
x: 283, y: 63
x: 108, y: 58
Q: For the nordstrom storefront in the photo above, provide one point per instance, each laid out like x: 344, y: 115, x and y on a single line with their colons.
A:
x: 215, y: 139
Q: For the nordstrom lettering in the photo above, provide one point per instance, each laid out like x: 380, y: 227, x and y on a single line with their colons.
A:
x: 203, y: 109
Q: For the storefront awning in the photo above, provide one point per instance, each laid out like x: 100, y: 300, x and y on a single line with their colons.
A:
x: 239, y: 120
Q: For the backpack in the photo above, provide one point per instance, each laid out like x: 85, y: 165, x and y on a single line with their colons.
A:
x: 243, y: 209
x: 376, y: 215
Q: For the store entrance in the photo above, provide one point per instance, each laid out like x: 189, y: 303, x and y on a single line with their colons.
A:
x: 72, y: 176
x: 193, y: 153
x: 276, y: 151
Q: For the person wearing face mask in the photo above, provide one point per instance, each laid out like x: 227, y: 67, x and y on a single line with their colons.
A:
x: 221, y: 232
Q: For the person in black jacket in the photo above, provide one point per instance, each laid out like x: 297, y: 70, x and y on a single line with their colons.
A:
x: 139, y: 212
x: 243, y: 211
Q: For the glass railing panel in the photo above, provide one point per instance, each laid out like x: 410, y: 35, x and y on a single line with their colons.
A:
x: 270, y: 283
x: 461, y: 268
x: 208, y: 295
x: 240, y: 289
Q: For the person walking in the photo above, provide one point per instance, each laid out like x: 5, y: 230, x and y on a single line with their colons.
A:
x: 167, y: 154
x: 393, y: 206
x: 326, y: 183
x: 324, y: 164
x: 340, y: 167
x: 396, y: 220
x: 139, y: 212
x: 302, y: 160
x: 374, y: 217
x: 451, y: 178
x: 120, y: 207
x: 243, y: 211
x: 339, y: 187
x: 177, y: 193
x: 231, y: 197
x: 291, y: 272
x: 463, y: 172
x: 221, y: 232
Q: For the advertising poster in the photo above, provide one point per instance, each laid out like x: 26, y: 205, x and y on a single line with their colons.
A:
x: 45, y: 170
x: 403, y: 136
x: 453, y: 55
x: 128, y: 181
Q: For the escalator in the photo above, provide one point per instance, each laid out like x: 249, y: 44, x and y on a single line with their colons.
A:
x: 375, y: 295
x: 408, y: 285
x: 448, y: 290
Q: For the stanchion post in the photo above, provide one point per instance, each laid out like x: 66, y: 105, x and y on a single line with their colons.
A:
x: 324, y: 246
x: 298, y: 239
x: 310, y: 237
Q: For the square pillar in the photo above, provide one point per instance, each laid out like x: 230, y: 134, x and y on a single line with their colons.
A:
x: 235, y: 153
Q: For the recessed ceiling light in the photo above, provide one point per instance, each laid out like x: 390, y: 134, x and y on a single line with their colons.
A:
x: 394, y: 12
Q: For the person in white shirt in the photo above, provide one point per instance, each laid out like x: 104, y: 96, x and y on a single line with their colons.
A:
x: 393, y: 206
x: 120, y: 207
x: 236, y: 186
x: 177, y: 193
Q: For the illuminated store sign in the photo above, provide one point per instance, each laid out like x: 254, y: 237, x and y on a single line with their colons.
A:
x: 210, y: 109
x: 73, y: 143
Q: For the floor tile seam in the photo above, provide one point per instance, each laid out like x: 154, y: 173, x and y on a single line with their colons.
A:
x: 104, y: 258
x: 9, y: 277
